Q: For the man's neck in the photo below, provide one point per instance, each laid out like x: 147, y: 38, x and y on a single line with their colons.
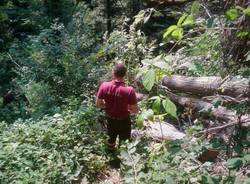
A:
x: 119, y: 79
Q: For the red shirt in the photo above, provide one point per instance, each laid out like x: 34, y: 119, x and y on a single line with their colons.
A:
x: 117, y: 97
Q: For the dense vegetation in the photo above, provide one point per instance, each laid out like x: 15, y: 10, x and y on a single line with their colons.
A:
x: 53, y: 55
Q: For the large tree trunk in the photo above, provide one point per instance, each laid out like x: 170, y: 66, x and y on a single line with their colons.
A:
x: 205, y: 86
x: 208, y: 109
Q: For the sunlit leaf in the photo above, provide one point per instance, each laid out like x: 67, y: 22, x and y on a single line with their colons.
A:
x: 169, y: 31
x: 181, y: 19
x: 247, y: 11
x: 242, y: 34
x: 148, y: 114
x: 232, y: 14
x: 139, y: 121
x: 170, y: 107
x: 149, y: 79
x: 156, y: 105
x: 189, y: 21
x: 177, y: 34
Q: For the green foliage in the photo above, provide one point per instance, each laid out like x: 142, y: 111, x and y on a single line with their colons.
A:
x: 195, y: 8
x: 232, y: 14
x: 143, y: 163
x: 149, y: 79
x: 247, y: 11
x: 173, y: 161
x: 177, y: 31
x: 130, y: 49
x: 57, y: 149
x: 170, y: 107
x: 41, y: 100
x: 234, y: 163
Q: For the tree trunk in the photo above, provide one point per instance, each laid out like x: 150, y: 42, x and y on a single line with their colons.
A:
x: 208, y: 109
x: 205, y: 86
x: 158, y: 131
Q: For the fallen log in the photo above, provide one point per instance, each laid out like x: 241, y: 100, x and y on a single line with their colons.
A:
x: 158, y: 131
x: 208, y: 109
x: 205, y: 86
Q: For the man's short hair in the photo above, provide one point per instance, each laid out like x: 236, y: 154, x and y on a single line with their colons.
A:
x: 119, y: 70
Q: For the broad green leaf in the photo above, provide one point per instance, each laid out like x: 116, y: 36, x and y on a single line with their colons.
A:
x: 234, y: 163
x: 247, y: 11
x: 181, y: 19
x: 232, y: 14
x: 170, y: 107
x: 189, y: 21
x: 169, y: 31
x: 139, y: 121
x: 149, y: 79
x: 149, y: 114
x: 154, y: 98
x: 195, y: 7
x: 157, y: 105
x: 177, y: 34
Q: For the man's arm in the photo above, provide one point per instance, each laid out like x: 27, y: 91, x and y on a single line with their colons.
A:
x: 133, y: 108
x: 132, y: 102
x: 100, y: 103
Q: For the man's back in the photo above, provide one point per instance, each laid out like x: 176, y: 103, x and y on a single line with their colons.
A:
x: 117, y: 97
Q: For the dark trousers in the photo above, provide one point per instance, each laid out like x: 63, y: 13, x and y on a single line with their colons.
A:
x: 118, y: 127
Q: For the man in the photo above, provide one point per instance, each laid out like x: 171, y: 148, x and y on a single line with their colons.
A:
x: 119, y: 101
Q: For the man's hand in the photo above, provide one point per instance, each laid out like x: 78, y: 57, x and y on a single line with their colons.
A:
x: 133, y: 108
x: 100, y: 103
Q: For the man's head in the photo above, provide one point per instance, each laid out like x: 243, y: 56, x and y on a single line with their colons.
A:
x: 119, y: 71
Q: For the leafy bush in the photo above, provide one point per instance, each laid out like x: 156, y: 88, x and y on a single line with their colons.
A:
x: 58, y: 149
x: 177, y: 162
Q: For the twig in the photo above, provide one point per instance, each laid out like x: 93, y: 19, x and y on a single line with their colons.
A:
x: 13, y: 60
x: 223, y: 126
x: 217, y: 128
x: 205, y: 8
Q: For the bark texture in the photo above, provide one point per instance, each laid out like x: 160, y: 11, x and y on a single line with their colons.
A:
x: 220, y: 112
x: 159, y: 131
x: 205, y: 86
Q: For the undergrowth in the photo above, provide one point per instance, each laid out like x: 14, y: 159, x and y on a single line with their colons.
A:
x: 57, y: 149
